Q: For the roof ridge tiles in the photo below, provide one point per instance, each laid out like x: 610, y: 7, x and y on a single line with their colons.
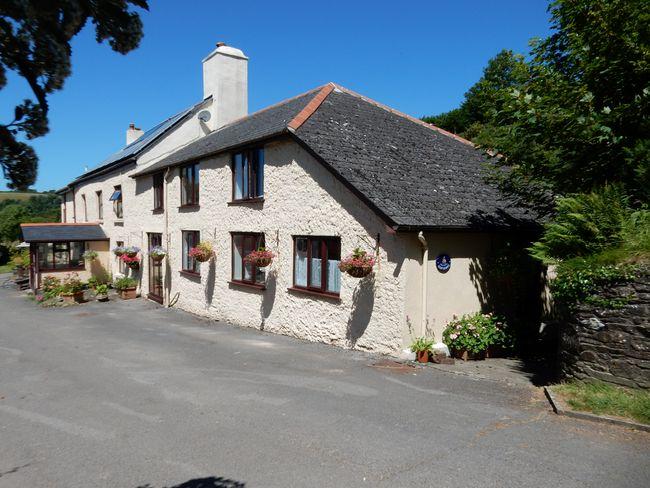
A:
x: 311, y: 107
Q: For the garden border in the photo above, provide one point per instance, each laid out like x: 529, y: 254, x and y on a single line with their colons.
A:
x: 560, y: 408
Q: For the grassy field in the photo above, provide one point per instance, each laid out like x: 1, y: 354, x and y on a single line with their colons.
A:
x: 6, y: 268
x: 17, y: 195
x: 605, y: 399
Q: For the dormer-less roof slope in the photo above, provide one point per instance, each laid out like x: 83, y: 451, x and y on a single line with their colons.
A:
x: 62, y: 232
x: 412, y: 174
x: 133, y: 150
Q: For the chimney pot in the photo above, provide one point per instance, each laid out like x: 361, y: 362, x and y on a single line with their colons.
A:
x: 133, y: 133
x: 221, y: 43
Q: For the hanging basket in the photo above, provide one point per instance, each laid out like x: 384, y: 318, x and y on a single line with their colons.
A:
x: 359, y: 272
x: 157, y: 258
x: 203, y: 257
x: 262, y: 262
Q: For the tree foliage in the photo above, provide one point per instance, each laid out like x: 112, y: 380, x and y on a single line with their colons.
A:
x: 39, y: 208
x: 35, y: 40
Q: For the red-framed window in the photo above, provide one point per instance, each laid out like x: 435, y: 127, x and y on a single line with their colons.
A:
x: 190, y: 185
x: 158, y: 191
x: 190, y: 239
x: 243, y: 243
x: 60, y: 255
x: 248, y: 175
x: 316, y: 264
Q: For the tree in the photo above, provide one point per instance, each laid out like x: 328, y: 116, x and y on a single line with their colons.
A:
x: 483, y: 100
x: 35, y: 40
x: 39, y: 208
x: 581, y: 120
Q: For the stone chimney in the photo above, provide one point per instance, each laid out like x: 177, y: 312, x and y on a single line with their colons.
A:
x: 133, y: 133
x: 225, y: 78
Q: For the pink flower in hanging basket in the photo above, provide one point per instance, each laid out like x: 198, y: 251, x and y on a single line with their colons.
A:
x: 202, y: 252
x: 358, y: 264
x: 132, y: 262
x: 260, y: 258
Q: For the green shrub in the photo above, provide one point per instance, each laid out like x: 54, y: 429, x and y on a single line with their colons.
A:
x: 101, y: 290
x: 124, y: 283
x: 71, y: 284
x: 584, y: 224
x: 476, y: 332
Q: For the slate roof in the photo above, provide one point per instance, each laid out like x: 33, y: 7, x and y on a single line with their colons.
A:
x: 266, y: 123
x: 412, y: 174
x: 128, y: 153
x: 57, y: 232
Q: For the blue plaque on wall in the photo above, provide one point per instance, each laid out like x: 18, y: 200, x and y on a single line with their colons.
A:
x: 443, y: 263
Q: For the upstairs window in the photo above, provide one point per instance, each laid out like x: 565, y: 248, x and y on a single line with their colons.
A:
x: 158, y: 186
x: 116, y: 198
x: 190, y: 240
x: 100, y: 205
x: 83, y: 200
x: 190, y: 185
x: 248, y: 175
x: 316, y: 264
x: 242, y: 245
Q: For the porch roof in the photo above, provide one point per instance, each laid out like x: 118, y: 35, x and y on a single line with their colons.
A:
x: 62, y: 232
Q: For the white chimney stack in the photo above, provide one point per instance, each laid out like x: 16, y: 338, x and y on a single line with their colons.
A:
x: 225, y: 78
x: 133, y: 133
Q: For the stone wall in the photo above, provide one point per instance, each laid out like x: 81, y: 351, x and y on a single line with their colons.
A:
x: 610, y: 345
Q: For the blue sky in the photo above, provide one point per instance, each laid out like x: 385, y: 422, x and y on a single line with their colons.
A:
x: 416, y: 56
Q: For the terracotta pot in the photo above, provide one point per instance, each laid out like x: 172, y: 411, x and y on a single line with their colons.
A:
x: 465, y: 355
x: 128, y: 293
x: 76, y: 297
x: 359, y: 272
x: 102, y: 298
x: 423, y: 356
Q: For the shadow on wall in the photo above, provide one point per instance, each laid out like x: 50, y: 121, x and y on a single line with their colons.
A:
x: 209, y: 482
x: 268, y: 298
x: 209, y: 285
x: 511, y: 284
x: 363, y: 302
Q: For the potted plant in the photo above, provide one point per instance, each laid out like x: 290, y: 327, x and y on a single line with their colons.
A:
x: 132, y: 262
x: 470, y: 336
x: 260, y: 258
x: 202, y: 252
x: 101, y: 293
x: 90, y: 255
x: 72, y: 289
x: 358, y: 264
x: 131, y: 251
x: 118, y: 250
x: 422, y: 348
x: 126, y: 286
x: 157, y: 253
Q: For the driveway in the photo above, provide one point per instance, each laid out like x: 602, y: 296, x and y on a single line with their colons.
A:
x: 128, y: 394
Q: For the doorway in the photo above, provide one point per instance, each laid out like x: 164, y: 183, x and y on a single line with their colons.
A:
x: 155, y: 271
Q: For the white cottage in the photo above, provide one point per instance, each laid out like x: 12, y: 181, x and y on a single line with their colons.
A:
x: 310, y: 178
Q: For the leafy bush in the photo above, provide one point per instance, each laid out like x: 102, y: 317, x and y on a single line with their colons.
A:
x: 476, y: 332
x: 50, y: 283
x: 101, y: 290
x: 421, y: 344
x: 584, y: 224
x: 71, y: 284
x: 124, y: 283
x: 90, y: 255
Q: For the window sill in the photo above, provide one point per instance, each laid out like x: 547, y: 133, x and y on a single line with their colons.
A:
x: 245, y: 284
x: 158, y: 211
x: 62, y: 270
x: 190, y: 207
x: 307, y: 291
x: 118, y: 222
x: 190, y: 274
x: 246, y: 200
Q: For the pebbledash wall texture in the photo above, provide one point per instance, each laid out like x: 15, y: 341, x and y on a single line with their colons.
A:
x: 611, y: 345
x: 300, y: 198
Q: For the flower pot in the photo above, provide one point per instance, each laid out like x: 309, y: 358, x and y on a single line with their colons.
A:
x: 360, y: 272
x: 118, y: 253
x: 158, y: 258
x: 466, y: 355
x: 102, y: 298
x: 131, y: 254
x: 76, y: 297
x: 203, y: 257
x: 422, y: 356
x: 128, y: 293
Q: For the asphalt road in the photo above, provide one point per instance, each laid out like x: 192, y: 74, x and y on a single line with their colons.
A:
x: 128, y: 394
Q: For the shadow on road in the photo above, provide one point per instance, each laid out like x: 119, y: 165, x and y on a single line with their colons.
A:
x: 209, y: 482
